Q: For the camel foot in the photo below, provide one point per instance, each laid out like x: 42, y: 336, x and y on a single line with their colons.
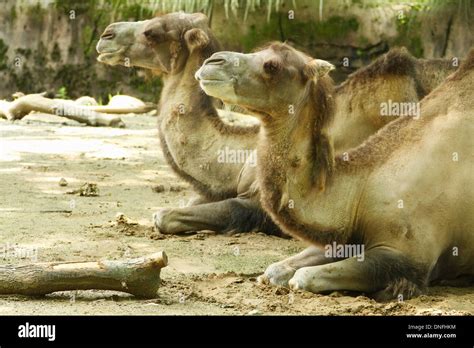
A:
x: 312, y: 279
x: 161, y: 221
x: 301, y: 281
x: 278, y: 274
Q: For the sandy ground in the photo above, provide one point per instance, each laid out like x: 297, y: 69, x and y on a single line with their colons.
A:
x: 207, y: 274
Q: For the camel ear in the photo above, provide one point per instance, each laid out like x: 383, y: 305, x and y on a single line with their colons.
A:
x: 196, y: 38
x: 318, y: 68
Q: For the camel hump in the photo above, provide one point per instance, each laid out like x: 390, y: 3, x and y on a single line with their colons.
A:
x: 397, y: 61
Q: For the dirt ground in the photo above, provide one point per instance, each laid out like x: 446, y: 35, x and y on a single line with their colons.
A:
x: 207, y: 274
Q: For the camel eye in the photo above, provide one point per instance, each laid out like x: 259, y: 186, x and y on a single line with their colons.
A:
x: 148, y: 33
x: 151, y: 35
x: 271, y: 67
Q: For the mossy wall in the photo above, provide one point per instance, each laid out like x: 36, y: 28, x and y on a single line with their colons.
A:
x: 50, y: 44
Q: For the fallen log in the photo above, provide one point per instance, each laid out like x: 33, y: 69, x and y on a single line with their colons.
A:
x: 22, y: 106
x: 114, y: 109
x: 118, y: 104
x: 139, y: 276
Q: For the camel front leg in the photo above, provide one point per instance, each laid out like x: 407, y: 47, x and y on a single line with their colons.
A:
x: 197, y: 200
x: 279, y: 273
x: 386, y: 273
x: 230, y: 215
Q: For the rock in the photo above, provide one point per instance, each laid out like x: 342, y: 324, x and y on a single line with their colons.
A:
x: 206, y: 232
x: 87, y: 190
x: 177, y: 188
x: 86, y: 100
x: 158, y: 188
x: 62, y: 182
x: 125, y: 101
x: 254, y: 312
x: 281, y: 291
x: 121, y: 219
x: 157, y: 236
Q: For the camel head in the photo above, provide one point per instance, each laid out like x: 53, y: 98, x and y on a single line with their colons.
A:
x: 162, y: 44
x: 266, y: 82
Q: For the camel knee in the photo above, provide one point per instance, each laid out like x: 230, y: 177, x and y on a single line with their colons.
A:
x: 165, y: 221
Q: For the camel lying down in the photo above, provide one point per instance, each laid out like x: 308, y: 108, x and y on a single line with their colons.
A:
x: 405, y: 196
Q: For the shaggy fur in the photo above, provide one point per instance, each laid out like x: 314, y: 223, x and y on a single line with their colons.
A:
x: 247, y: 215
x: 318, y: 102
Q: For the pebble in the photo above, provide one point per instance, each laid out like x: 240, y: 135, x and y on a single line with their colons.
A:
x: 254, y: 312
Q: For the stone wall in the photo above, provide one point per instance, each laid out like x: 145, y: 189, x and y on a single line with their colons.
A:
x: 50, y: 45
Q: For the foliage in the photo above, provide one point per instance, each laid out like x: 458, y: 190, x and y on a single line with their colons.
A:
x: 62, y: 93
x: 408, y: 28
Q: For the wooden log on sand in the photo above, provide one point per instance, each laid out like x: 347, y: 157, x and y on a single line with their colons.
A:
x: 139, y: 276
x: 110, y: 109
x: 22, y: 106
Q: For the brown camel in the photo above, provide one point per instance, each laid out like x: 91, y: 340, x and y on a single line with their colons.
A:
x: 396, y: 214
x: 191, y: 132
x: 210, y: 154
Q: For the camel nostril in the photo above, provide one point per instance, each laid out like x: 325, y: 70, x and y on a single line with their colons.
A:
x: 108, y: 36
x: 215, y: 61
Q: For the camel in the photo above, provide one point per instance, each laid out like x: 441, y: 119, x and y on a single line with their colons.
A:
x: 404, y: 198
x: 193, y: 136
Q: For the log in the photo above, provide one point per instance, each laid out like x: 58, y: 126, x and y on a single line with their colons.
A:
x: 139, y: 276
x: 22, y: 106
x: 111, y: 109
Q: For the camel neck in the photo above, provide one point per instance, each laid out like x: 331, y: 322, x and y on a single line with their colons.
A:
x: 293, y: 146
x: 182, y: 92
x: 193, y: 136
x: 299, y: 186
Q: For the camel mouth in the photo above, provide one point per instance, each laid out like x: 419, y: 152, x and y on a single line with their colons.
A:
x: 213, y: 81
x: 210, y: 80
x: 211, y: 86
x: 110, y: 57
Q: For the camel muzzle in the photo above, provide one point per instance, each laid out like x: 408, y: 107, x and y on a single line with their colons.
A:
x: 217, y: 68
